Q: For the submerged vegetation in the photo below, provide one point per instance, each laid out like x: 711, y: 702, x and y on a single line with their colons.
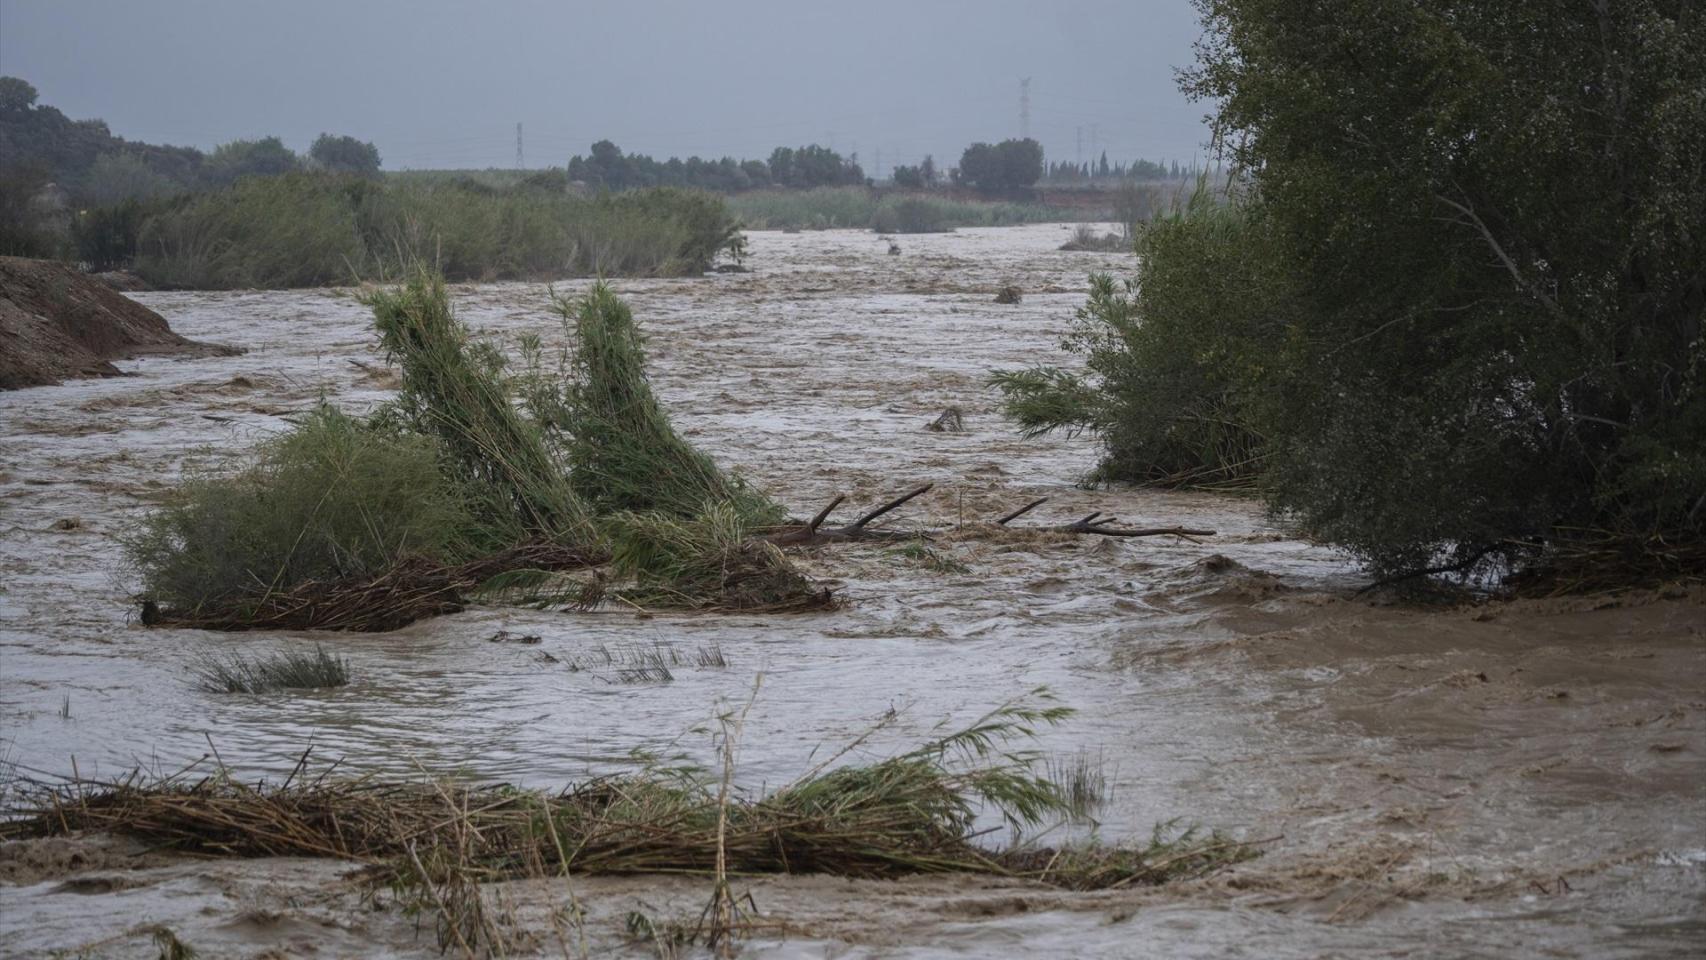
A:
x: 1440, y: 333
x: 286, y: 670
x: 335, y: 498
x: 460, y: 487
x: 1170, y: 357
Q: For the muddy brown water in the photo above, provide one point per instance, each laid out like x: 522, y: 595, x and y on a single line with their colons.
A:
x: 1518, y: 779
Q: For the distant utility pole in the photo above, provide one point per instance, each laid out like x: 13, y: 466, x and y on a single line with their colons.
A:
x: 1078, y: 136
x: 519, y: 163
x: 1025, y: 108
x: 1095, y: 141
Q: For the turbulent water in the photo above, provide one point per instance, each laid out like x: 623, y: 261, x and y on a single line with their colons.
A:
x: 1513, y: 779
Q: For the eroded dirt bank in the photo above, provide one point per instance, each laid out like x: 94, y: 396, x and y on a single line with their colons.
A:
x: 1527, y: 779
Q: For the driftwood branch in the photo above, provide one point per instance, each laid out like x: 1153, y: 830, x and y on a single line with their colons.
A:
x: 814, y: 532
x: 863, y: 521
x: 1027, y: 508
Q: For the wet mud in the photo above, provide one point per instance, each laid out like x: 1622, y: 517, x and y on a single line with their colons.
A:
x: 1522, y: 779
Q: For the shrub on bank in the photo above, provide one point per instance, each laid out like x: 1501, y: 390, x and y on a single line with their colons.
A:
x: 1462, y: 342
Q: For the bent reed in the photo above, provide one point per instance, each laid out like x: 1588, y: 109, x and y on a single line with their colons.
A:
x: 471, y: 481
x: 917, y: 812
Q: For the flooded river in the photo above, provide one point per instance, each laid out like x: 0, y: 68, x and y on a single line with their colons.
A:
x: 1518, y: 779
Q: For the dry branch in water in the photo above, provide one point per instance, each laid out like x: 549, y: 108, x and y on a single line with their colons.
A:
x: 813, y: 532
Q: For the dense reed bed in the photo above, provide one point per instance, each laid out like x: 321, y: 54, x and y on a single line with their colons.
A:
x: 305, y: 230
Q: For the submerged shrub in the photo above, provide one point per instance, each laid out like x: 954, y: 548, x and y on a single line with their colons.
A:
x: 707, y: 561
x: 1174, y: 358
x: 331, y: 499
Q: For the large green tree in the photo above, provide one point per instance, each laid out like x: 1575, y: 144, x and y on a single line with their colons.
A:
x: 345, y: 154
x: 1496, y: 211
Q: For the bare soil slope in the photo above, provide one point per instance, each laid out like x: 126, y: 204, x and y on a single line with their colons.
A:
x: 57, y: 323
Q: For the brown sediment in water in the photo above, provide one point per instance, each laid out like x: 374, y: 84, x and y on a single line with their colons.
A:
x: 1555, y: 806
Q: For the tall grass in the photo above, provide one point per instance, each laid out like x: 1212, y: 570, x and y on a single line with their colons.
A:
x: 455, y: 489
x: 827, y: 208
x: 307, y: 229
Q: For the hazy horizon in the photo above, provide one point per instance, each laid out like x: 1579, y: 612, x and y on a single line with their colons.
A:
x: 436, y: 84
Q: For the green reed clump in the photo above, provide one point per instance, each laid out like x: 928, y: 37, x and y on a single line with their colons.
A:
x: 454, y: 491
x: 1173, y: 358
x: 708, y: 561
x: 332, y: 499
x: 622, y: 452
x: 456, y: 391
x: 284, y: 670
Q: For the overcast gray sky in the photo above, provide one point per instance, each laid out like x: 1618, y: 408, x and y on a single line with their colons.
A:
x: 443, y: 84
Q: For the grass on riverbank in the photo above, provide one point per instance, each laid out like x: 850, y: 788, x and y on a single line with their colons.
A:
x: 307, y: 229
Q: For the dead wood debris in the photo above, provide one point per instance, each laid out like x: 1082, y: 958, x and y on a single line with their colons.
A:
x: 813, y: 532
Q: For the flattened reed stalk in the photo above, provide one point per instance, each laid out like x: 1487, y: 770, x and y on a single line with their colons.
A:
x: 913, y: 813
x: 623, y: 454
x: 707, y: 562
x: 457, y: 392
x: 284, y: 670
x: 409, y: 590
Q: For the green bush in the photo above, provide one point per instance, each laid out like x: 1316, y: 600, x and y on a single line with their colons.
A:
x: 1503, y: 348
x: 331, y: 499
x: 910, y: 215
x: 1175, y: 358
x: 1458, y: 339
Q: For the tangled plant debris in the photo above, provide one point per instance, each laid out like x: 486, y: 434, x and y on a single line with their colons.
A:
x: 433, y: 844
